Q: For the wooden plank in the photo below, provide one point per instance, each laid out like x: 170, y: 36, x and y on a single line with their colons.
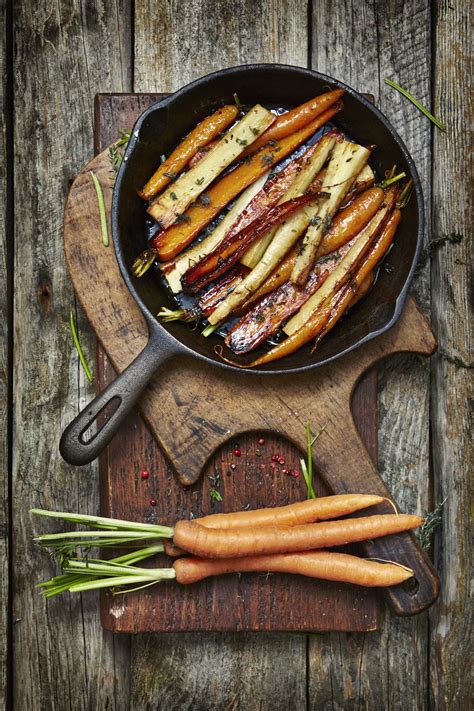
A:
x: 175, y: 43
x: 64, y: 54
x: 5, y: 375
x: 450, y: 643
x: 361, y: 43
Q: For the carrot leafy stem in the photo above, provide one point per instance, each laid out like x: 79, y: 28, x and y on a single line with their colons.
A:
x: 102, y: 213
x: 167, y: 315
x: 75, y: 337
x: 416, y: 103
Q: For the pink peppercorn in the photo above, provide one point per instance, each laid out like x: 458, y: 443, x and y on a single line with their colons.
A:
x: 261, y: 441
x: 144, y: 474
x: 152, y: 502
x: 237, y: 452
x: 295, y: 473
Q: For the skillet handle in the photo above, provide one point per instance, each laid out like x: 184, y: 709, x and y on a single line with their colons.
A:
x: 77, y: 446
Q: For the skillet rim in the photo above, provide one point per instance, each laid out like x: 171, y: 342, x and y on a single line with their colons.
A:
x: 170, y: 343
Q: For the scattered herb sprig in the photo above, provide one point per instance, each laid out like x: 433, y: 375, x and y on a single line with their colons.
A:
x: 102, y: 213
x: 416, y: 103
x: 432, y: 521
x: 75, y: 337
x: 307, y: 466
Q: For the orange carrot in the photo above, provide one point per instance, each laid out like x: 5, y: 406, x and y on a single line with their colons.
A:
x: 172, y: 241
x: 204, y: 132
x: 252, y: 540
x: 359, y: 285
x: 300, y: 512
x: 295, y: 119
x: 350, y: 221
x: 323, y: 565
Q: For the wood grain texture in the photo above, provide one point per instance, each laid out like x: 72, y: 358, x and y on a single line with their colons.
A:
x: 64, y: 53
x: 5, y: 238
x: 367, y: 42
x: 451, y: 621
x: 229, y: 34
x: 193, y: 408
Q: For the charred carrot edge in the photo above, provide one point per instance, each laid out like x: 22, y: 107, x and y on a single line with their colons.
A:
x: 326, y: 317
x: 295, y: 119
x: 200, y: 135
x: 323, y: 565
x: 228, y: 252
x: 171, y: 242
x: 358, y: 287
x: 254, y: 540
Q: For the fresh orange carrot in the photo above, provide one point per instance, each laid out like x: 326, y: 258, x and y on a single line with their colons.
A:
x: 171, y: 550
x: 323, y: 565
x: 254, y: 540
x: 295, y: 119
x: 300, y: 512
x: 349, y: 222
x: 297, y: 513
x: 172, y: 241
x: 201, y: 135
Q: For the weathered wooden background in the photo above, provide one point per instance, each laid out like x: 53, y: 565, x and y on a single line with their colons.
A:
x: 57, y: 55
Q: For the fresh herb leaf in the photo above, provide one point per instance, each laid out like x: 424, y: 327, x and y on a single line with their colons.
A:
x: 241, y: 141
x: 181, y: 217
x: 316, y: 220
x: 173, y: 196
x: 255, y: 131
x: 103, y: 216
x: 432, y: 521
x: 215, y: 495
x: 416, y: 103
x: 204, y: 199
x: 169, y: 174
x: 267, y: 159
x: 75, y: 338
x: 199, y: 181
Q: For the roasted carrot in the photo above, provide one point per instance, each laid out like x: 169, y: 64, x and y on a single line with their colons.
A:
x: 171, y: 242
x: 326, y: 317
x: 252, y: 540
x: 323, y: 565
x: 351, y: 220
x: 364, y: 277
x: 296, y: 119
x: 229, y: 251
x: 201, y: 135
x: 211, y: 297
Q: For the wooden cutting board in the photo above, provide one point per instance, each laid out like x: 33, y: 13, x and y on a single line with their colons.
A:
x: 198, y: 415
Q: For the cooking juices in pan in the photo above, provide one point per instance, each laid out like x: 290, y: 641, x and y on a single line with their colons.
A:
x: 268, y: 226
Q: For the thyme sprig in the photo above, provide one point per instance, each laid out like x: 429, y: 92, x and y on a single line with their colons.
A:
x: 115, y: 154
x: 77, y: 343
x: 416, y: 103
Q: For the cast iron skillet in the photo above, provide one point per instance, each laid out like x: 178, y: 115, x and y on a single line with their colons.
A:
x: 156, y: 132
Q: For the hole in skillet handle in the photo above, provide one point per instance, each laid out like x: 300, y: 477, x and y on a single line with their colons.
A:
x: 89, y: 433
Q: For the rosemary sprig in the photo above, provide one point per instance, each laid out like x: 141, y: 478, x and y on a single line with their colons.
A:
x: 168, y: 315
x: 75, y: 337
x: 432, y: 521
x: 416, y: 103
x: 103, y: 216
